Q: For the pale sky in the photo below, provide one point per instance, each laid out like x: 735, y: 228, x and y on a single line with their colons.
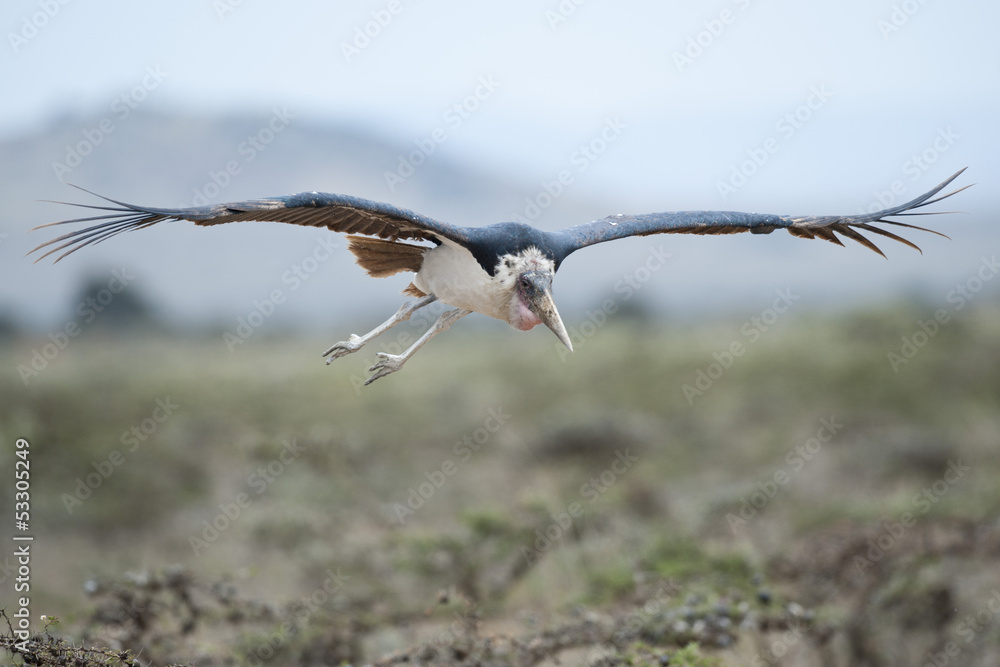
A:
x: 834, y: 101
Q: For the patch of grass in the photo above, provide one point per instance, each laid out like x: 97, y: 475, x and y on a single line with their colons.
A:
x: 663, y: 518
x: 682, y: 559
x: 609, y: 582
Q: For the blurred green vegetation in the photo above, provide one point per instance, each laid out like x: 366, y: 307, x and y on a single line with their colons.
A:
x: 487, y: 480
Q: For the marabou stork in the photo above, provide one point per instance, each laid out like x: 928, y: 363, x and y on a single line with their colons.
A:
x: 503, y: 270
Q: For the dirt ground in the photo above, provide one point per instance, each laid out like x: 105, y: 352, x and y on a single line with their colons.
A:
x: 823, y: 493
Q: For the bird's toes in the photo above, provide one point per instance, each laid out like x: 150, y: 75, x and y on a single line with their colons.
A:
x: 380, y: 372
x: 389, y: 363
x: 335, y: 353
x: 344, y: 347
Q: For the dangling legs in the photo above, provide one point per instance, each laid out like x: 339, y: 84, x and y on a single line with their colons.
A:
x: 391, y: 363
x: 355, y: 342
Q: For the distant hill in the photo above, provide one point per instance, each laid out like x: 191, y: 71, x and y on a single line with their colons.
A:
x: 160, y: 159
x: 199, y: 278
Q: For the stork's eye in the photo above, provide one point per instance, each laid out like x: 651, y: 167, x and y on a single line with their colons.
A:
x: 523, y: 282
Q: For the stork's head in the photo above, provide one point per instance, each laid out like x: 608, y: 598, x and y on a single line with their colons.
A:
x: 528, y: 274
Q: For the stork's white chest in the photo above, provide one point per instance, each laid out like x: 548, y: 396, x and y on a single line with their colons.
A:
x: 453, y: 275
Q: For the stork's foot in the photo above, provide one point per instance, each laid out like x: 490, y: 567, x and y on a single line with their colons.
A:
x: 344, y: 347
x: 390, y: 363
x: 356, y: 342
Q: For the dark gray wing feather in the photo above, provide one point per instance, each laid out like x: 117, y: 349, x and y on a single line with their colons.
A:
x: 733, y: 222
x: 340, y: 213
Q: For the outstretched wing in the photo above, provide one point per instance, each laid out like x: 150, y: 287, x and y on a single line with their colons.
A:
x: 340, y: 213
x: 732, y: 222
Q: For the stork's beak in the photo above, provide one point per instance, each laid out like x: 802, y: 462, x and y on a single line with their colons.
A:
x: 539, y: 298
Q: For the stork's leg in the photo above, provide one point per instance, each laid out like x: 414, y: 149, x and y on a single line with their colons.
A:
x: 355, y: 342
x: 390, y: 363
